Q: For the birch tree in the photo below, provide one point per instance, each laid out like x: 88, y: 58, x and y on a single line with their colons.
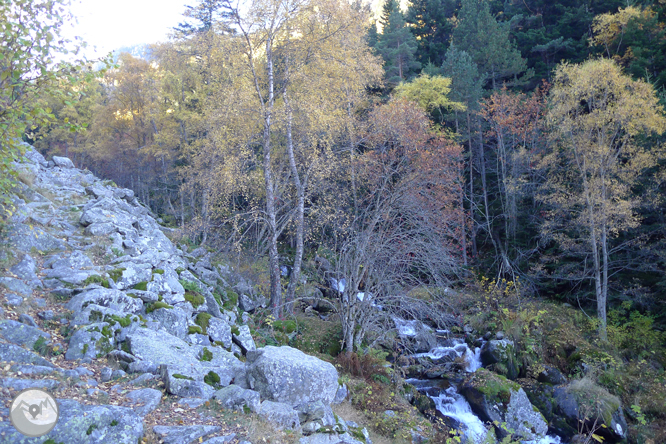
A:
x: 596, y: 116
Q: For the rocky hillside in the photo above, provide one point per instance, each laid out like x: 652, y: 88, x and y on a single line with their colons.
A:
x: 138, y: 340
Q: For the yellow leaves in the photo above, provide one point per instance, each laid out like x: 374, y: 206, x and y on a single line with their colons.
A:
x: 608, y: 27
x: 429, y: 92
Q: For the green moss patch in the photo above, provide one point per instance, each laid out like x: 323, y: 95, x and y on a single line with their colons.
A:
x: 116, y: 274
x: 202, y: 321
x: 285, y: 326
x: 206, y: 355
x: 192, y: 329
x: 158, y: 271
x: 142, y: 286
x: 495, y: 387
x: 212, y: 379
x: 194, y: 298
x: 179, y: 376
x: 96, y: 279
x: 156, y: 305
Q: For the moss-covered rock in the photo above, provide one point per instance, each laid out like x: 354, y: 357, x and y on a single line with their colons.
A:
x: 496, y: 399
x: 501, y: 355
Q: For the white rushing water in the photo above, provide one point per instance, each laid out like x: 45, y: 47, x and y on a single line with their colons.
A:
x: 449, y: 402
x: 473, y: 358
x: 453, y: 405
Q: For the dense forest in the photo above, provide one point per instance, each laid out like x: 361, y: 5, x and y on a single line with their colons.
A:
x: 274, y: 130
x: 438, y: 144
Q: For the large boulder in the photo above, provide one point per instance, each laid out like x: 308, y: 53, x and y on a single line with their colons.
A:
x: 162, y: 348
x: 287, y: 375
x: 501, y: 354
x: 105, y: 297
x: 80, y: 423
x: 172, y: 320
x: 504, y: 403
x: 92, y: 341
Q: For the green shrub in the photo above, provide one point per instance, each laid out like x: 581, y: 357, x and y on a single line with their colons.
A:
x: 189, y: 285
x: 232, y: 300
x: 285, y: 326
x: 41, y: 346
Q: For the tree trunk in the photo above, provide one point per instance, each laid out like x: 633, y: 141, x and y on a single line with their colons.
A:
x: 269, y: 182
x: 300, y: 210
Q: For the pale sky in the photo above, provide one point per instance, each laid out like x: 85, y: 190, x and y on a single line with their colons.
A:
x: 109, y: 25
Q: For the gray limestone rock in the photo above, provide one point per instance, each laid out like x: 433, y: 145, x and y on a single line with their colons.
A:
x: 105, y: 297
x: 27, y: 320
x: 132, y: 274
x: 183, y: 434
x: 282, y: 415
x: 34, y: 369
x: 16, y: 354
x: 143, y: 401
x: 244, y: 339
x: 284, y: 374
x: 21, y: 334
x: 63, y: 162
x: 219, y: 330
x: 171, y: 320
x: 91, y: 341
x: 77, y: 260
x: 19, y: 384
x: 16, y: 285
x: 187, y: 384
x: 221, y: 439
x: 25, y: 269
x: 161, y: 348
x: 24, y: 239
x: 235, y: 397
x: 13, y: 299
x: 46, y: 315
x: 106, y: 373
x: 79, y: 423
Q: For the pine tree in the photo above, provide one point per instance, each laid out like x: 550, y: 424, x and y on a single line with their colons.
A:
x: 487, y: 41
x: 431, y: 23
x: 396, y: 45
x: 207, y: 15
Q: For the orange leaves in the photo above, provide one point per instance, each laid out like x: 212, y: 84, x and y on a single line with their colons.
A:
x: 420, y: 169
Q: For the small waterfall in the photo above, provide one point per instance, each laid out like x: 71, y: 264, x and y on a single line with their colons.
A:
x: 447, y: 400
x: 454, y: 406
x: 473, y: 360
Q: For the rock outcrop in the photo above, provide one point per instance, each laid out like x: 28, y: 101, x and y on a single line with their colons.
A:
x: 127, y: 295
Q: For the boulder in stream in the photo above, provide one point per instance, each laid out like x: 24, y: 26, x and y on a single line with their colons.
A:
x: 496, y: 399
